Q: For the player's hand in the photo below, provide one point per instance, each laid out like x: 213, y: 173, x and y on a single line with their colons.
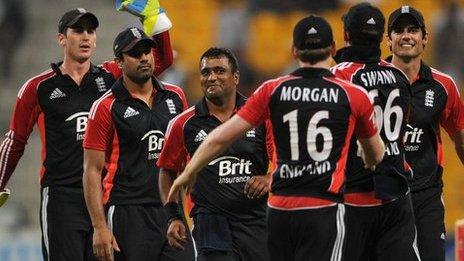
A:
x: 360, y: 153
x: 186, y: 181
x: 176, y: 234
x: 104, y: 243
x: 4, y: 194
x: 257, y: 186
x: 153, y: 17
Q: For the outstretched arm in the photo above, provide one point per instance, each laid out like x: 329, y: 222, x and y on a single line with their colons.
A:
x: 216, y: 142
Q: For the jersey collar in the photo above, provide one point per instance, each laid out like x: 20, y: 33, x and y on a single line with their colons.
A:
x: 121, y: 93
x: 201, y: 108
x: 312, y: 72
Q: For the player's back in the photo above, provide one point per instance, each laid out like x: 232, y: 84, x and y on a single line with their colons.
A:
x: 388, y: 89
x: 314, y: 116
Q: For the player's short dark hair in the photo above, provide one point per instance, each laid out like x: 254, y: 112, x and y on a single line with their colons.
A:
x: 217, y: 52
x: 313, y: 56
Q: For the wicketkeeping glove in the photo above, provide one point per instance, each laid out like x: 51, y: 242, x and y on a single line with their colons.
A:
x: 4, y: 196
x: 153, y: 17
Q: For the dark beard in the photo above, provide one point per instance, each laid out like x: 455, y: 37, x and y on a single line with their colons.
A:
x: 139, y: 79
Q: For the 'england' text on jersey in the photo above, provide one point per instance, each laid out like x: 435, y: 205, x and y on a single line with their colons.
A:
x: 374, y: 78
x: 294, y: 171
x: 296, y: 93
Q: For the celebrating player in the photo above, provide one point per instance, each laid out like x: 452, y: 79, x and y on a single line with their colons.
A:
x: 123, y: 140
x: 380, y: 221
x: 314, y: 116
x: 228, y: 224
x: 435, y: 101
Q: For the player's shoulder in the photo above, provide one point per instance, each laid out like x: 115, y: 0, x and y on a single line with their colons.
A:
x: 445, y: 80
x: 393, y: 68
x: 33, y: 83
x: 271, y: 84
x: 173, y: 88
x: 105, y: 102
x: 183, y: 117
x: 349, y: 87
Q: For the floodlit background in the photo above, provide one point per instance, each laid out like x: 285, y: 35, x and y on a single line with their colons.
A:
x: 259, y: 31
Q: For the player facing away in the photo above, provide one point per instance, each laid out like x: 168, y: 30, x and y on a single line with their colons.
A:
x: 435, y: 102
x: 58, y: 101
x: 313, y: 115
x: 379, y: 215
x: 124, y: 137
x: 230, y: 195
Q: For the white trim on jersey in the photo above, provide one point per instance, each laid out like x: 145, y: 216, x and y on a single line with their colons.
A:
x: 24, y: 87
x: 45, y: 221
x: 96, y: 104
x: 414, y: 244
x: 339, y: 240
x: 109, y: 218
x: 4, y: 153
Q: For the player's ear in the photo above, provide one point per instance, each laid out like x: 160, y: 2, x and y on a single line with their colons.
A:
x: 294, y: 52
x: 61, y: 38
x: 118, y: 61
x: 237, y: 77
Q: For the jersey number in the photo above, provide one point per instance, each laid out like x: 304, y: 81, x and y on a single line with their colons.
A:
x: 312, y: 132
x: 383, y: 116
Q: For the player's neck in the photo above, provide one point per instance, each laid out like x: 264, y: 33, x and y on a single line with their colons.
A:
x: 222, y: 109
x: 76, y: 70
x: 143, y: 91
x: 410, y: 67
x: 322, y: 64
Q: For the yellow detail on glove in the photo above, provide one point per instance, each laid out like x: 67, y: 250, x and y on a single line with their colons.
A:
x: 4, y: 196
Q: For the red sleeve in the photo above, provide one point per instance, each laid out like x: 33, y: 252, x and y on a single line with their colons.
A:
x: 25, y: 114
x: 339, y: 73
x: 100, y: 126
x: 174, y: 154
x: 256, y: 109
x: 452, y: 117
x: 162, y: 54
x: 270, y: 146
x: 363, y: 111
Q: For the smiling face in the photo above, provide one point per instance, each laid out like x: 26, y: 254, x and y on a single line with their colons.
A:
x: 216, y: 77
x: 407, y: 40
x: 79, y: 42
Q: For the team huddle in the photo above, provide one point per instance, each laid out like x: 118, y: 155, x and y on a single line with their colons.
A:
x: 328, y: 162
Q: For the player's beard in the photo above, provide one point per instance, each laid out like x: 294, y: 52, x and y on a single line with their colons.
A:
x: 140, y: 76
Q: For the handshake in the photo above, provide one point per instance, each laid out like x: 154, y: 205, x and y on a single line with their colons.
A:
x: 153, y: 17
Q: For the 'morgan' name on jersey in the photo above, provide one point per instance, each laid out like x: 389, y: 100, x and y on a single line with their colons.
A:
x: 375, y: 78
x: 296, y: 93
x: 295, y: 171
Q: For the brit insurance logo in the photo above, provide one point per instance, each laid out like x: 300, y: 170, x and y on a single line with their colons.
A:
x: 81, y: 123
x: 155, y: 140
x: 412, y: 138
x: 232, y: 169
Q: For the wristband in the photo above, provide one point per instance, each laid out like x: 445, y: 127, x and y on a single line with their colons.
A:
x: 173, y: 210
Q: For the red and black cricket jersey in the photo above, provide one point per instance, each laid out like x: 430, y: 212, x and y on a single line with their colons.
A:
x: 435, y: 101
x: 60, y: 108
x: 132, y: 135
x: 388, y: 89
x: 219, y: 187
x: 313, y: 115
